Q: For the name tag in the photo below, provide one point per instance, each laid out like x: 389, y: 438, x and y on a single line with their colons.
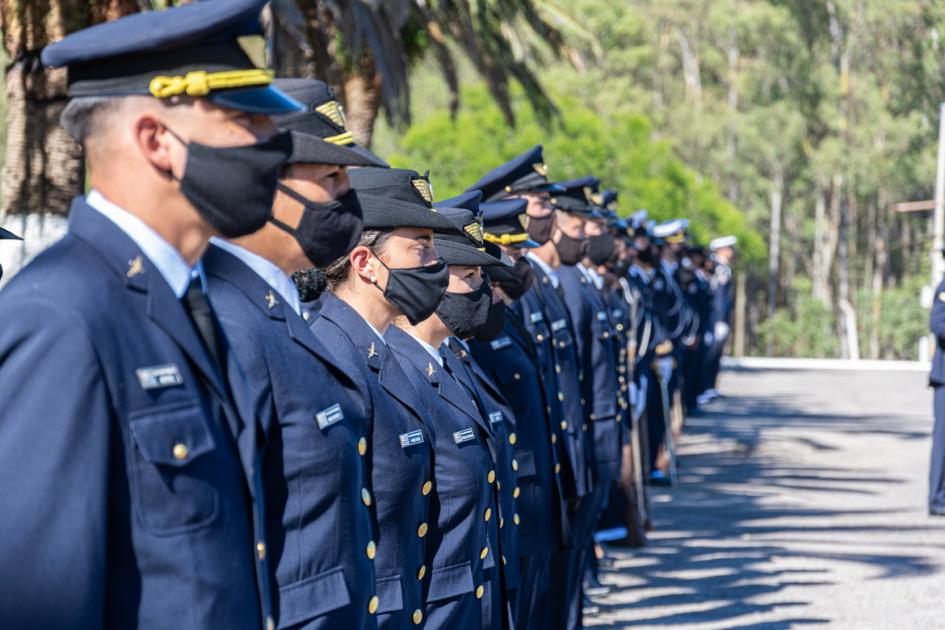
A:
x: 501, y: 342
x: 601, y: 316
x: 464, y: 436
x: 411, y: 439
x: 496, y: 416
x: 159, y: 376
x: 558, y: 325
x: 536, y: 317
x: 327, y: 417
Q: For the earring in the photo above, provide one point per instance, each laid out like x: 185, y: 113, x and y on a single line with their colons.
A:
x: 373, y: 279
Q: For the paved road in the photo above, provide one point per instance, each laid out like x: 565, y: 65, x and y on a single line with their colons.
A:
x: 801, y: 504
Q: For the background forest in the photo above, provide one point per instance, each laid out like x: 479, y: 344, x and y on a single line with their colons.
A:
x: 796, y: 124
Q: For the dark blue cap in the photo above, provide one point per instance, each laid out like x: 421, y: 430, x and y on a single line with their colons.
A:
x: 525, y: 173
x: 576, y: 196
x: 465, y: 246
x: 213, y: 49
x: 504, y: 223
x: 8, y: 235
x: 396, y: 197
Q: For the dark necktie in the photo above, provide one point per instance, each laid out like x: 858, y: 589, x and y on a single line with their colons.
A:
x: 197, y: 306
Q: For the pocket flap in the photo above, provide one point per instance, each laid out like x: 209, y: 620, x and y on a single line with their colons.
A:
x: 450, y: 582
x: 173, y: 436
x: 390, y: 592
x: 526, y: 464
x: 312, y: 597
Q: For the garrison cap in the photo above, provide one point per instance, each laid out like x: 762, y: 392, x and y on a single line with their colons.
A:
x: 722, y: 241
x: 522, y: 174
x: 576, y: 197
x: 323, y: 119
x: 213, y: 49
x: 396, y: 197
x: 504, y: 223
x: 8, y: 235
x: 465, y: 244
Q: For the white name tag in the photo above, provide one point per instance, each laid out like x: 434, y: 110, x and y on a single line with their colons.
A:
x: 159, y: 376
x: 501, y: 342
x: 464, y: 436
x: 411, y: 439
x: 327, y: 417
x: 496, y: 416
x: 536, y: 317
x: 558, y: 325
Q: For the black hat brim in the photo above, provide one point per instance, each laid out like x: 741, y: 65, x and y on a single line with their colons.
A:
x: 385, y: 213
x: 373, y: 158
x: 8, y: 235
x: 257, y: 100
x: 309, y: 149
x: 461, y: 254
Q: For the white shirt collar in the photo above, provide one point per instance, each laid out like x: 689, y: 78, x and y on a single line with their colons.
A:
x: 551, y: 273
x: 168, y: 261
x: 433, y: 352
x: 369, y: 325
x: 592, y: 275
x: 266, y: 270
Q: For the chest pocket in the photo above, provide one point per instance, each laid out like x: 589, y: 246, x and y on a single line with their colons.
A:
x: 561, y: 334
x: 172, y: 475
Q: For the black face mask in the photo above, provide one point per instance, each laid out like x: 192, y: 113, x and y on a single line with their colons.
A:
x: 621, y: 267
x: 649, y: 256
x: 232, y: 187
x: 416, y: 291
x: 465, y: 314
x: 494, y: 323
x: 540, y: 228
x: 600, y: 249
x: 327, y: 231
x: 518, y: 280
x: 570, y: 250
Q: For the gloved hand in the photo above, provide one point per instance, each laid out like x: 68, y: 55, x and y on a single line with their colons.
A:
x: 721, y: 331
x: 664, y: 367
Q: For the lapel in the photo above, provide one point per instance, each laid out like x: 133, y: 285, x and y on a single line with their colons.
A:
x: 463, y: 387
x: 516, y: 330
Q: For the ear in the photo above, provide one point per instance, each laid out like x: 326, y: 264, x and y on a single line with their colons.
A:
x: 157, y: 145
x: 362, y: 264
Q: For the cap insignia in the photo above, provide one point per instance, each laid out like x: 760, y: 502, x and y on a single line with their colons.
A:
x: 541, y: 169
x: 475, y: 231
x: 254, y: 46
x: 424, y: 188
x: 333, y: 111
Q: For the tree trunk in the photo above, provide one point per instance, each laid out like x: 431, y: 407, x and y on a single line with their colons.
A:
x: 733, y: 55
x: 879, y: 272
x: 820, y: 275
x: 362, y: 99
x: 774, y: 239
x: 741, y: 305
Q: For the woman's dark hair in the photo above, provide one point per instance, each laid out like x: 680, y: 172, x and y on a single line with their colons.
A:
x: 337, y: 272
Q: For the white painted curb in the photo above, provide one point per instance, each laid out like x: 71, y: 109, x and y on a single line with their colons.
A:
x: 769, y: 363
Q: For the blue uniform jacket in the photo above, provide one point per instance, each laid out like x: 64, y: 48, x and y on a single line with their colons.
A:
x: 126, y: 501
x: 464, y: 509
x: 937, y: 327
x: 511, y: 363
x: 319, y: 528
x: 400, y: 456
x: 574, y: 421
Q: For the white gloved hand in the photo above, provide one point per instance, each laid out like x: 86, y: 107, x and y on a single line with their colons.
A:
x: 665, y: 367
x: 721, y: 331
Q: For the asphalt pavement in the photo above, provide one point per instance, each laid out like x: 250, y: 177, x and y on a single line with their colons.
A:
x: 801, y: 503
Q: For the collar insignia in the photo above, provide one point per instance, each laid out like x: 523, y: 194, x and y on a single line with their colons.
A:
x: 372, y: 351
x: 135, y: 267
x: 271, y: 299
x: 430, y: 370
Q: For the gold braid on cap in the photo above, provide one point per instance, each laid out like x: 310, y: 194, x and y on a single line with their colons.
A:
x: 505, y: 239
x: 332, y: 111
x: 201, y: 83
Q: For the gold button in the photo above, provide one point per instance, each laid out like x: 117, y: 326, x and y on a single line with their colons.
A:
x: 501, y: 522
x: 540, y: 337
x: 373, y: 604
x: 180, y: 451
x: 584, y: 428
x: 564, y: 425
x: 557, y: 468
x: 498, y: 485
x: 261, y: 550
x: 365, y: 496
x: 606, y: 335
x: 513, y: 438
x: 491, y: 476
x: 504, y: 561
x: 515, y: 519
x: 270, y: 623
x: 561, y: 396
x: 422, y: 530
x: 516, y: 492
x: 417, y: 617
x: 561, y: 344
x: 483, y: 553
x: 362, y: 446
x: 517, y: 376
x: 479, y: 591
x: 422, y: 571
x: 514, y: 464
x: 425, y: 490
x: 487, y: 515
x: 557, y: 368
x: 371, y: 550
x: 554, y: 438
x: 593, y: 416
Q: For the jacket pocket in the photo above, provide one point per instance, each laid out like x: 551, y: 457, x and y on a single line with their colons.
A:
x: 390, y: 592
x: 450, y: 582
x: 526, y: 464
x: 172, y: 479
x: 313, y: 597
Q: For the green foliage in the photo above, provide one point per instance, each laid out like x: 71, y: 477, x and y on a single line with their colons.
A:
x: 805, y: 329
x: 620, y: 149
x: 902, y: 320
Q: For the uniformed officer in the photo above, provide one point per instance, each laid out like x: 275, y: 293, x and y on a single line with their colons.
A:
x: 7, y: 235
x: 132, y: 496
x: 365, y: 297
x: 937, y: 382
x: 315, y: 471
x: 695, y: 287
x: 723, y: 300
x: 510, y: 359
x: 460, y: 550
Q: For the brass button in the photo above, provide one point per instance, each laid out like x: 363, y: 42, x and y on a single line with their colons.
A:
x: 487, y: 515
x: 362, y: 446
x: 606, y: 335
x: 498, y: 485
x: 365, y: 496
x: 539, y: 337
x: 180, y: 451
x: 517, y: 376
x: 515, y: 519
x: 554, y: 438
x: 557, y: 468
x: 561, y: 396
x: 504, y: 561
x: 479, y: 591
x: 514, y: 464
x: 270, y: 623
x: 513, y: 438
x: 422, y: 571
x: 306, y: 315
x: 593, y: 416
x: 371, y: 550
x: 417, y: 617
x: 516, y: 492
x: 584, y: 428
x: 483, y: 553
x: 373, y: 604
x: 557, y: 368
x: 422, y: 530
x: 491, y: 476
x: 501, y: 522
x: 561, y: 344
x: 261, y: 551
x: 564, y: 425
x: 425, y: 490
